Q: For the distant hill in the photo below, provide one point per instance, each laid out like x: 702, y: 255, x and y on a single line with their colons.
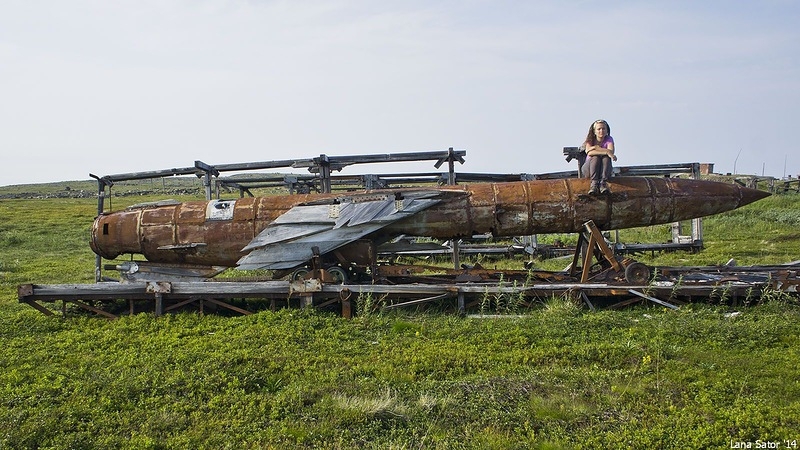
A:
x: 88, y: 188
x: 175, y: 185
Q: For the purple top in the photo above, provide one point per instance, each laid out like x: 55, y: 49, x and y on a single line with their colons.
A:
x: 607, y: 140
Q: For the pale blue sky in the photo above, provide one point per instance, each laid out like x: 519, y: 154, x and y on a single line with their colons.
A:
x: 122, y: 86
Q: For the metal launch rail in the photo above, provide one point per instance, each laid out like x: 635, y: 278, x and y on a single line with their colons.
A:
x: 672, y: 287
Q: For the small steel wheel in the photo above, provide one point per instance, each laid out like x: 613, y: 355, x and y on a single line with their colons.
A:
x: 299, y: 274
x: 338, y: 274
x: 637, y: 273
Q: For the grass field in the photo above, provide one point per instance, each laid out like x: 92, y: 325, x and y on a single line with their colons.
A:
x: 706, y: 376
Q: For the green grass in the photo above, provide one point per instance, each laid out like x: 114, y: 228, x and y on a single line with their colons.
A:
x: 558, y: 377
x: 691, y: 379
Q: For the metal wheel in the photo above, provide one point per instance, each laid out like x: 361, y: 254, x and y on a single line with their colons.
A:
x: 338, y: 274
x: 299, y: 274
x: 637, y: 273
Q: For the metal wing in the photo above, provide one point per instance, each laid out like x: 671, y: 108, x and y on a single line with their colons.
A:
x: 288, y: 241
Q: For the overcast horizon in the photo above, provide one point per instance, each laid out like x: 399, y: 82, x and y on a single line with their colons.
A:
x: 89, y: 86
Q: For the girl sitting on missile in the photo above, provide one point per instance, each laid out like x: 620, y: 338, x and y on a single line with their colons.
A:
x: 599, y: 156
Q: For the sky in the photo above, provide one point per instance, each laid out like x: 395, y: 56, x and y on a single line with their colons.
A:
x: 110, y: 87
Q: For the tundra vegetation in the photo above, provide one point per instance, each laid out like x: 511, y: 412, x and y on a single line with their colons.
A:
x: 554, y: 376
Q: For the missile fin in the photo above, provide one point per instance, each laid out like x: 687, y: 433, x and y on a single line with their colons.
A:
x: 288, y: 241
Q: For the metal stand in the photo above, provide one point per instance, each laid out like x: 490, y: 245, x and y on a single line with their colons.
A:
x: 592, y: 246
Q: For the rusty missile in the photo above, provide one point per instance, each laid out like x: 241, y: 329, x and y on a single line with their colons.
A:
x: 284, y: 231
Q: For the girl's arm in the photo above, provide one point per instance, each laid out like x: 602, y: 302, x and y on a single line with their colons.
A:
x: 596, y: 150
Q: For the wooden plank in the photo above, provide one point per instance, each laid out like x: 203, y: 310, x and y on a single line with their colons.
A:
x: 229, y: 289
x: 93, y: 291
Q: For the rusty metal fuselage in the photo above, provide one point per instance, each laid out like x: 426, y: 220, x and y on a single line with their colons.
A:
x: 215, y: 232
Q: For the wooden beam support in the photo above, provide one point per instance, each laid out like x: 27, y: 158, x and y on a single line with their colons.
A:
x: 40, y: 308
x: 92, y: 309
x: 229, y: 306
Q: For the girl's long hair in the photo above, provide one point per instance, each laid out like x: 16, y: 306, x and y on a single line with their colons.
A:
x: 591, y: 139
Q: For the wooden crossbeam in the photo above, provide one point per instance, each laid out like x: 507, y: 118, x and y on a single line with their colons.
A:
x: 229, y: 306
x: 92, y: 309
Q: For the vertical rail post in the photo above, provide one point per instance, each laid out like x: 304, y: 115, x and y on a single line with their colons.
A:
x: 159, y: 304
x: 206, y: 172
x: 451, y: 181
x: 101, y: 197
x: 324, y: 170
x: 697, y: 224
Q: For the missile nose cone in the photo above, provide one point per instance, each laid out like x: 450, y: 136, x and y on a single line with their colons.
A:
x: 748, y: 195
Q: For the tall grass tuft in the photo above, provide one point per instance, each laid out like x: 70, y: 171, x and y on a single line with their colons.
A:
x: 566, y: 305
x: 384, y: 407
